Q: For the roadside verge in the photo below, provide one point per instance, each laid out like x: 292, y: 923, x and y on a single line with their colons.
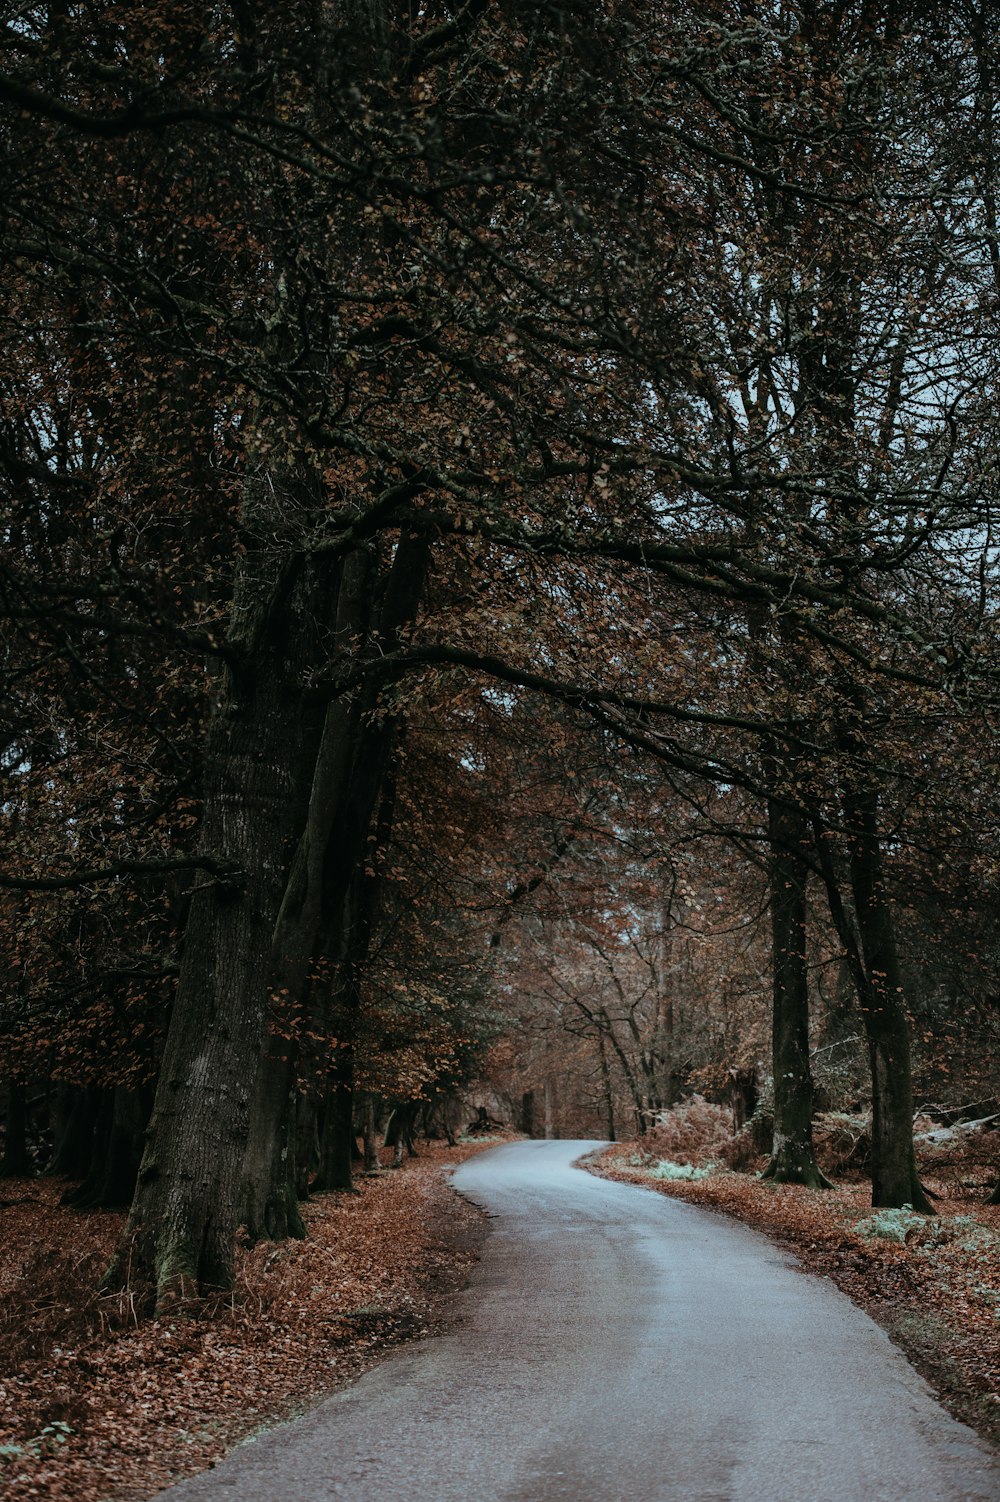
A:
x: 94, y: 1405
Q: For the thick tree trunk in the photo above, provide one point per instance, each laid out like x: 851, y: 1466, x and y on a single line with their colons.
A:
x: 306, y: 1143
x: 268, y: 1193
x: 317, y: 910
x: 743, y: 1095
x: 269, y: 1198
x: 528, y: 1113
x: 551, y: 1107
x: 793, y: 1158
x: 864, y: 924
x: 181, y: 1228
x: 77, y: 1114
x: 399, y: 1132
x: 179, y: 1237
x: 370, y: 1134
x: 337, y: 1145
x: 895, y: 1181
x: 16, y: 1162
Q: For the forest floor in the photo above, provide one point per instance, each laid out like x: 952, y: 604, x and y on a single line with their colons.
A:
x: 95, y: 1404
x: 932, y: 1283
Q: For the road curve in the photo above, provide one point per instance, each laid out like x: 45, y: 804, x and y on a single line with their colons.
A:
x: 618, y: 1346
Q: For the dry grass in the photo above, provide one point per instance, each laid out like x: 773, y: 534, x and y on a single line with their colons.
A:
x: 693, y: 1131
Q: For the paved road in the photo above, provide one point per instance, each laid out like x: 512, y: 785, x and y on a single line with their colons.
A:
x: 617, y: 1346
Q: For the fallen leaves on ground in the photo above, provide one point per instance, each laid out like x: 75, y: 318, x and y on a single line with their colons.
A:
x: 932, y: 1282
x: 94, y: 1404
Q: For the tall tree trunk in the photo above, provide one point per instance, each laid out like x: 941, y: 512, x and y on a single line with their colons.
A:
x: 269, y: 1197
x: 551, y: 1100
x: 399, y: 1132
x: 336, y: 1159
x: 528, y: 1113
x: 895, y: 1180
x: 76, y: 1120
x: 864, y: 925
x: 16, y: 1163
x: 793, y: 1158
x: 179, y: 1236
x: 351, y: 767
x: 339, y: 1017
x: 607, y: 1027
x: 606, y: 1087
x: 268, y: 1193
x: 372, y: 1161
x: 306, y: 1142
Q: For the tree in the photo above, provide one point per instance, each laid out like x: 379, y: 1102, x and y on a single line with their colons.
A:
x: 534, y: 343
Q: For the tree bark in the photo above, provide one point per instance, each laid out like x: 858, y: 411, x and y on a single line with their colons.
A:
x: 399, y: 1132
x: 179, y: 1237
x: 609, y: 1098
x: 16, y: 1163
x: 269, y: 1198
x: 793, y: 1158
x: 895, y: 1181
x: 306, y: 1143
x: 864, y: 924
x: 551, y: 1103
x: 372, y: 1161
x: 528, y: 1113
x: 336, y: 1161
x: 351, y: 766
x: 268, y: 1194
x: 607, y: 1030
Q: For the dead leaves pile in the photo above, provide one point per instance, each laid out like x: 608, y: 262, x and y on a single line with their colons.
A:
x: 936, y: 1289
x: 95, y: 1405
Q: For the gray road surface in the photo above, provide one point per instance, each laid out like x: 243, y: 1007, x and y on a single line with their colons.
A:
x: 617, y: 1346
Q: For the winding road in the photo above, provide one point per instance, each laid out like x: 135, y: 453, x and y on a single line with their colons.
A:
x: 618, y: 1346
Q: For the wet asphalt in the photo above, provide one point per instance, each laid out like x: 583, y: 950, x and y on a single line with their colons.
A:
x: 618, y: 1346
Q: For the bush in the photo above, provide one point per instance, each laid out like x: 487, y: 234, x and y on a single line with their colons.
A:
x: 843, y: 1141
x: 891, y: 1225
x: 693, y: 1129
x: 665, y: 1169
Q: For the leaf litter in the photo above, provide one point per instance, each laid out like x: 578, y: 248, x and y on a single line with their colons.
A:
x: 96, y: 1403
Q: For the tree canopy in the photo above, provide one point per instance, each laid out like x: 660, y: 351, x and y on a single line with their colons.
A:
x: 482, y: 484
